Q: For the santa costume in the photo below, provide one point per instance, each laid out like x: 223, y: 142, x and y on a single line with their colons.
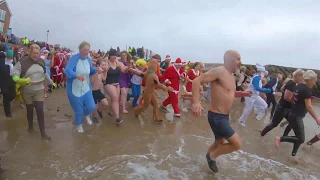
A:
x: 171, y: 77
x: 58, y: 66
x: 191, y: 75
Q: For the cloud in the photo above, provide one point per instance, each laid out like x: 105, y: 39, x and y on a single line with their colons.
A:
x: 268, y: 32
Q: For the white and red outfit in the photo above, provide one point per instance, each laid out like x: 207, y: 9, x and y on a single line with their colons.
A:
x: 171, y: 77
x: 192, y: 74
x: 58, y: 66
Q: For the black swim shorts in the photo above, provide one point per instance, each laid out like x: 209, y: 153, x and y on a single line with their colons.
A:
x: 97, y: 96
x: 220, y: 125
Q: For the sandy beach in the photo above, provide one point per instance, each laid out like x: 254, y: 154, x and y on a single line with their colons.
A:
x: 140, y: 149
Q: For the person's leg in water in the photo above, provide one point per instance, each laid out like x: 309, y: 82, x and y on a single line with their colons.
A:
x: 123, y: 99
x: 40, y: 116
x: 78, y: 109
x: 89, y: 106
x: 315, y: 139
x: 156, y: 114
x: 296, y: 123
x: 222, y: 130
x: 146, y: 102
x: 114, y: 92
x: 279, y: 114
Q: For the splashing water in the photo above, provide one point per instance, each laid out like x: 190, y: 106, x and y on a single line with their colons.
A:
x: 183, y: 158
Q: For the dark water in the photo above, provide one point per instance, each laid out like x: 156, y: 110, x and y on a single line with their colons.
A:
x: 140, y: 149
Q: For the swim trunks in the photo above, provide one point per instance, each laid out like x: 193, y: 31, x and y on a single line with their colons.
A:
x: 97, y: 96
x: 220, y: 125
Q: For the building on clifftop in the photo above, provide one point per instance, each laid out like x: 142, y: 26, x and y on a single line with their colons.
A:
x: 5, y: 16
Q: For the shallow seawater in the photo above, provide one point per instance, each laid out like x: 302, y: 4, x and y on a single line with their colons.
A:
x: 140, y: 149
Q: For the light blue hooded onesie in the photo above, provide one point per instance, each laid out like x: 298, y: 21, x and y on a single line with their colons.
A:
x: 80, y: 92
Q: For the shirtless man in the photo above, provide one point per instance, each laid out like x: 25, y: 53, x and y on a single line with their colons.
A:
x: 223, y: 92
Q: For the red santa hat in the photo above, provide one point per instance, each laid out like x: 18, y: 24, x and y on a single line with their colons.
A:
x: 178, y: 62
x: 68, y: 54
x: 61, y: 53
x: 168, y: 57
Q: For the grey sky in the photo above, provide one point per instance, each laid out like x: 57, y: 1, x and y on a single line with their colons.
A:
x: 282, y: 32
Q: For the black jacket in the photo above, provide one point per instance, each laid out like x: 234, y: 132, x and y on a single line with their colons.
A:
x: 6, y: 82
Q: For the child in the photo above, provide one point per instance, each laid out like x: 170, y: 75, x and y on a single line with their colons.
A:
x: 149, y: 95
x: 98, y: 97
x: 136, y: 82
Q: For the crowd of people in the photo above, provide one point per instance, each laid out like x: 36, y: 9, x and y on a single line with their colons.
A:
x: 89, y: 77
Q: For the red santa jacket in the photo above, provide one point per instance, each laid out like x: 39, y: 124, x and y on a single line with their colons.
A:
x: 192, y: 74
x: 173, y: 75
x: 58, y: 65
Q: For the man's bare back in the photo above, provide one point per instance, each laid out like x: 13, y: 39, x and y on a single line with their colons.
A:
x: 222, y: 91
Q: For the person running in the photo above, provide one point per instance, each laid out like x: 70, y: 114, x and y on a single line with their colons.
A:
x: 272, y: 84
x: 241, y: 78
x: 136, y: 82
x: 255, y: 100
x: 315, y: 139
x: 112, y: 81
x: 124, y: 81
x: 99, y: 99
x: 285, y: 102
x: 302, y: 104
x: 222, y: 96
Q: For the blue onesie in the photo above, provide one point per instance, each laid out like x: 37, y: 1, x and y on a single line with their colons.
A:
x: 80, y: 92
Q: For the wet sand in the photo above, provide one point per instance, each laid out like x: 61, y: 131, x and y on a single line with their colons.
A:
x: 140, y: 149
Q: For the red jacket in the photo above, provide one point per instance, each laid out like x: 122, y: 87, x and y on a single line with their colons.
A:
x: 57, y: 62
x: 173, y: 75
x: 191, y: 75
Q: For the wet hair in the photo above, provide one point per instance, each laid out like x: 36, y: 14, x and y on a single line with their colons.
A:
x: 309, y: 74
x: 195, y: 65
x: 83, y: 44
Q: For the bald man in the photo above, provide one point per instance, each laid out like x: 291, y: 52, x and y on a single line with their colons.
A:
x: 223, y: 92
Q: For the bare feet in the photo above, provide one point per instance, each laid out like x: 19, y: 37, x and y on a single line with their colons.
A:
x: 277, y: 142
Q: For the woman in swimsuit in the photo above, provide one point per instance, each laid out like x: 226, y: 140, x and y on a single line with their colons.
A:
x: 124, y: 81
x: 112, y: 81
